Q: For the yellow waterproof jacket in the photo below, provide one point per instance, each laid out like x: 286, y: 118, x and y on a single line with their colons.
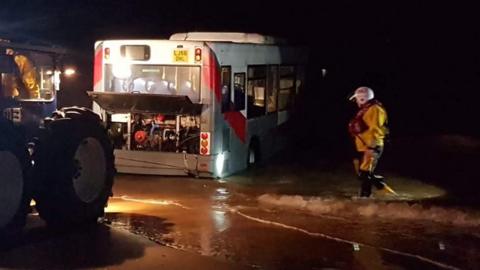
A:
x: 26, y: 86
x: 369, y: 126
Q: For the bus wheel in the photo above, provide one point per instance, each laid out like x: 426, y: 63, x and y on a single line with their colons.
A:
x: 75, y: 165
x: 253, y: 155
x: 14, y: 186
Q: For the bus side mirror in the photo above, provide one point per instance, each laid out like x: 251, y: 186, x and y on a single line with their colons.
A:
x: 7, y: 64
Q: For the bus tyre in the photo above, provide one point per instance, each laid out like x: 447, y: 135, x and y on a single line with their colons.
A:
x: 253, y: 155
x: 75, y: 165
x: 15, y: 187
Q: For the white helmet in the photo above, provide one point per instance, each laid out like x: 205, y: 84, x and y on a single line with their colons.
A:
x: 362, y: 95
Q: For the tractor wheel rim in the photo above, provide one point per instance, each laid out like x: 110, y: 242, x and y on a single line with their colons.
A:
x: 11, y: 186
x: 90, y: 170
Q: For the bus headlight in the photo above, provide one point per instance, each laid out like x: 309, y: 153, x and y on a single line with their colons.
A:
x: 219, y: 163
x: 121, y: 70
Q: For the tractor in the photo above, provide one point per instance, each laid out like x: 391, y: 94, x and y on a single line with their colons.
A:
x: 60, y: 158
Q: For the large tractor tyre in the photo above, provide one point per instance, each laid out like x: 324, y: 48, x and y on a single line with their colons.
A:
x: 15, y: 185
x: 75, y: 165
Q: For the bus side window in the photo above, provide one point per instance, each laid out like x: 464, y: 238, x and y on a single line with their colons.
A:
x: 226, y: 91
x: 256, y: 84
x: 287, y: 91
x: 239, y: 91
x: 272, y: 89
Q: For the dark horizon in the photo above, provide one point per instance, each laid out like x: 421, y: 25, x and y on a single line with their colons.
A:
x: 420, y: 59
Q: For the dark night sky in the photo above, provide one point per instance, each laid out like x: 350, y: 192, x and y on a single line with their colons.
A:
x: 422, y: 59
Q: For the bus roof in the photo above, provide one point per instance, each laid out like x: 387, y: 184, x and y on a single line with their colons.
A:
x: 234, y: 37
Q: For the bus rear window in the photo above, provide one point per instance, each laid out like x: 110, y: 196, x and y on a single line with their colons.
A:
x: 135, y: 52
x: 154, y: 79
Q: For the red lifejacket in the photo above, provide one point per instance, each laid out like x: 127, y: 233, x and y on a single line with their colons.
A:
x: 357, y: 125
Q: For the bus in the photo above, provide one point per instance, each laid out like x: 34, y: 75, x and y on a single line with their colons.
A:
x: 205, y: 104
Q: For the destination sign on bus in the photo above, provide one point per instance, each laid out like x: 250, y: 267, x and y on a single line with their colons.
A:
x: 135, y: 52
x: 180, y: 55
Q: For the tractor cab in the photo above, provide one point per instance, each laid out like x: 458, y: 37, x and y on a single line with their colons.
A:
x: 61, y: 158
x: 30, y: 77
x: 7, y: 68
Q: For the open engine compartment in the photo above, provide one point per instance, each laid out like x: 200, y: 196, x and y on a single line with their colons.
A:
x: 155, y: 132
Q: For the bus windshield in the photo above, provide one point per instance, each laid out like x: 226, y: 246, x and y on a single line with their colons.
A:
x: 154, y: 79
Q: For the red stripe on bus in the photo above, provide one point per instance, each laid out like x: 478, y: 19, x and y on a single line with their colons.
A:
x: 212, y: 75
x: 238, y: 122
x: 97, y: 67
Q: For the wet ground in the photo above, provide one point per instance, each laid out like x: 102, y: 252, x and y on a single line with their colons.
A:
x: 294, y: 222
x: 283, y: 216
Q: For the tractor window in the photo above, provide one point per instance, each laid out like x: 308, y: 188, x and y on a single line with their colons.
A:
x: 7, y: 65
x: 49, y: 81
x: 35, y: 77
x: 42, y: 89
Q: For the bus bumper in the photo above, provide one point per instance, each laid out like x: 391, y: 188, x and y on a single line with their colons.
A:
x: 164, y: 163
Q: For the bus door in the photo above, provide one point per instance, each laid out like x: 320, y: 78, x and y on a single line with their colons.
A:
x: 233, y: 83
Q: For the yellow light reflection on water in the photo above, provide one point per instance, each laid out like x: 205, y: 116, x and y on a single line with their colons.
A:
x: 124, y: 204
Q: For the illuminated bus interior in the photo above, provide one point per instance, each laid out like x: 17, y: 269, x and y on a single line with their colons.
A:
x: 154, y: 79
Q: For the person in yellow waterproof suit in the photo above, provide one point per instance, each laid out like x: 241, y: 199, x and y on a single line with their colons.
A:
x: 25, y: 85
x: 368, y: 129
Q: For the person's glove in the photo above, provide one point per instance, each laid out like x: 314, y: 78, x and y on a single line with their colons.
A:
x: 375, y: 149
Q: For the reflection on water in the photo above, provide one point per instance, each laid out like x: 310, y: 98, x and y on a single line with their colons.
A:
x: 147, y: 201
x: 220, y: 208
x: 205, y: 221
x: 219, y: 222
x: 154, y: 228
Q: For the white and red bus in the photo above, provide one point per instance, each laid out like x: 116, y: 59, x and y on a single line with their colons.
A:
x: 203, y: 104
